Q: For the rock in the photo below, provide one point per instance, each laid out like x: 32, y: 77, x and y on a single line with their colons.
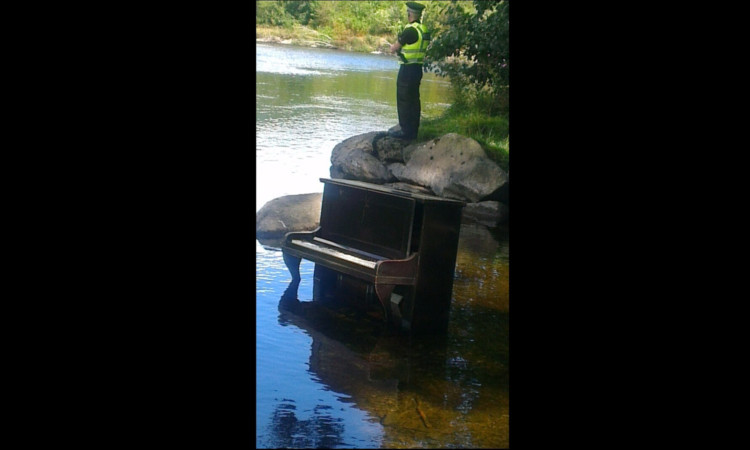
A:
x: 410, y: 188
x: 475, y: 241
x: 355, y: 164
x: 489, y: 213
x: 364, y: 142
x: 288, y: 213
x: 407, y: 152
x: 337, y: 173
x: 354, y: 159
x: 389, y: 149
x: 452, y: 166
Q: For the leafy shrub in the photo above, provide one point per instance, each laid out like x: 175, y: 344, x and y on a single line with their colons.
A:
x: 272, y: 13
x: 471, y: 47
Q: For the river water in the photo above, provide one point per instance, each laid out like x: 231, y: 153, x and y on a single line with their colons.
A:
x: 333, y: 379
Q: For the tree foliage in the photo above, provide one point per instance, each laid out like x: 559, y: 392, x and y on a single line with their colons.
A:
x: 471, y: 46
x: 303, y: 11
x: 272, y: 13
x: 358, y: 17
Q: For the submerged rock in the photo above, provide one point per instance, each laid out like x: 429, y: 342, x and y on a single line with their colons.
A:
x: 288, y: 213
x: 490, y: 213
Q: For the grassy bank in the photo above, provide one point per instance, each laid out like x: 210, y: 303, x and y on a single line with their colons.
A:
x: 490, y: 131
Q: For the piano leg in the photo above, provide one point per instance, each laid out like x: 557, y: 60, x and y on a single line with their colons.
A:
x: 384, y: 295
x: 289, y: 300
x: 290, y: 294
x: 292, y: 263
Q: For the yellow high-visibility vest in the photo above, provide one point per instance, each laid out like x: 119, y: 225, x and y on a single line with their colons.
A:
x: 415, y: 53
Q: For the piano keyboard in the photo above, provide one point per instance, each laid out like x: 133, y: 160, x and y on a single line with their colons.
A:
x: 337, y: 254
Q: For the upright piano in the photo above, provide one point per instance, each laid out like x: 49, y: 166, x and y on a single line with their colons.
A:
x: 380, y: 244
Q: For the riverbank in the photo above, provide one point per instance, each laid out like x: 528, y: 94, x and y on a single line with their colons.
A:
x: 303, y: 36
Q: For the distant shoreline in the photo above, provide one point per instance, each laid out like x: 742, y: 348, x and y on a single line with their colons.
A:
x: 292, y: 42
x: 306, y: 37
x: 297, y: 42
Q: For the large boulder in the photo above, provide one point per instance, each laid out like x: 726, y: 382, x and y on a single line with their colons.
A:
x: 288, y: 213
x: 452, y: 166
x: 356, y: 159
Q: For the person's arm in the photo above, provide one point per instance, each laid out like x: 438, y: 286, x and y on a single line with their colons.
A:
x: 409, y: 36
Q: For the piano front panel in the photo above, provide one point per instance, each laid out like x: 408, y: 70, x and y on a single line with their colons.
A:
x: 371, y: 221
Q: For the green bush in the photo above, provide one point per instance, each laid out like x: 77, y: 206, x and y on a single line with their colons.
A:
x: 471, y: 46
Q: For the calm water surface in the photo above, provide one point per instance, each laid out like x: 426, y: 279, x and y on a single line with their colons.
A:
x: 327, y: 377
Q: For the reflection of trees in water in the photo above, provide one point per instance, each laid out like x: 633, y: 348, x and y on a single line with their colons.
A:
x: 320, y: 431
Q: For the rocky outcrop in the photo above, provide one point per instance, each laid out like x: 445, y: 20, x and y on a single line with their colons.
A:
x: 452, y: 166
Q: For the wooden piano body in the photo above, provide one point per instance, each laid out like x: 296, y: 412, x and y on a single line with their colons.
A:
x: 396, y: 246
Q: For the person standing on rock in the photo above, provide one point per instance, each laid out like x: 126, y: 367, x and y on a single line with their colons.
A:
x: 411, y: 48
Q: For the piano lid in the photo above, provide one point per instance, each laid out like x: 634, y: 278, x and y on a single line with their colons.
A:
x: 424, y: 198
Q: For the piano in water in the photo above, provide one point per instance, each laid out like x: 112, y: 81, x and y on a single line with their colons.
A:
x: 384, y: 246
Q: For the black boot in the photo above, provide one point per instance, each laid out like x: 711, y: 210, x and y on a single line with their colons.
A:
x: 395, y: 131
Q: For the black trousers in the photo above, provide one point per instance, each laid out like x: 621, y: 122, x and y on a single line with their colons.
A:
x: 407, y: 98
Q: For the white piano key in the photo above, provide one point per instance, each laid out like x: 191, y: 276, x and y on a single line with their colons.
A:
x: 332, y: 252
